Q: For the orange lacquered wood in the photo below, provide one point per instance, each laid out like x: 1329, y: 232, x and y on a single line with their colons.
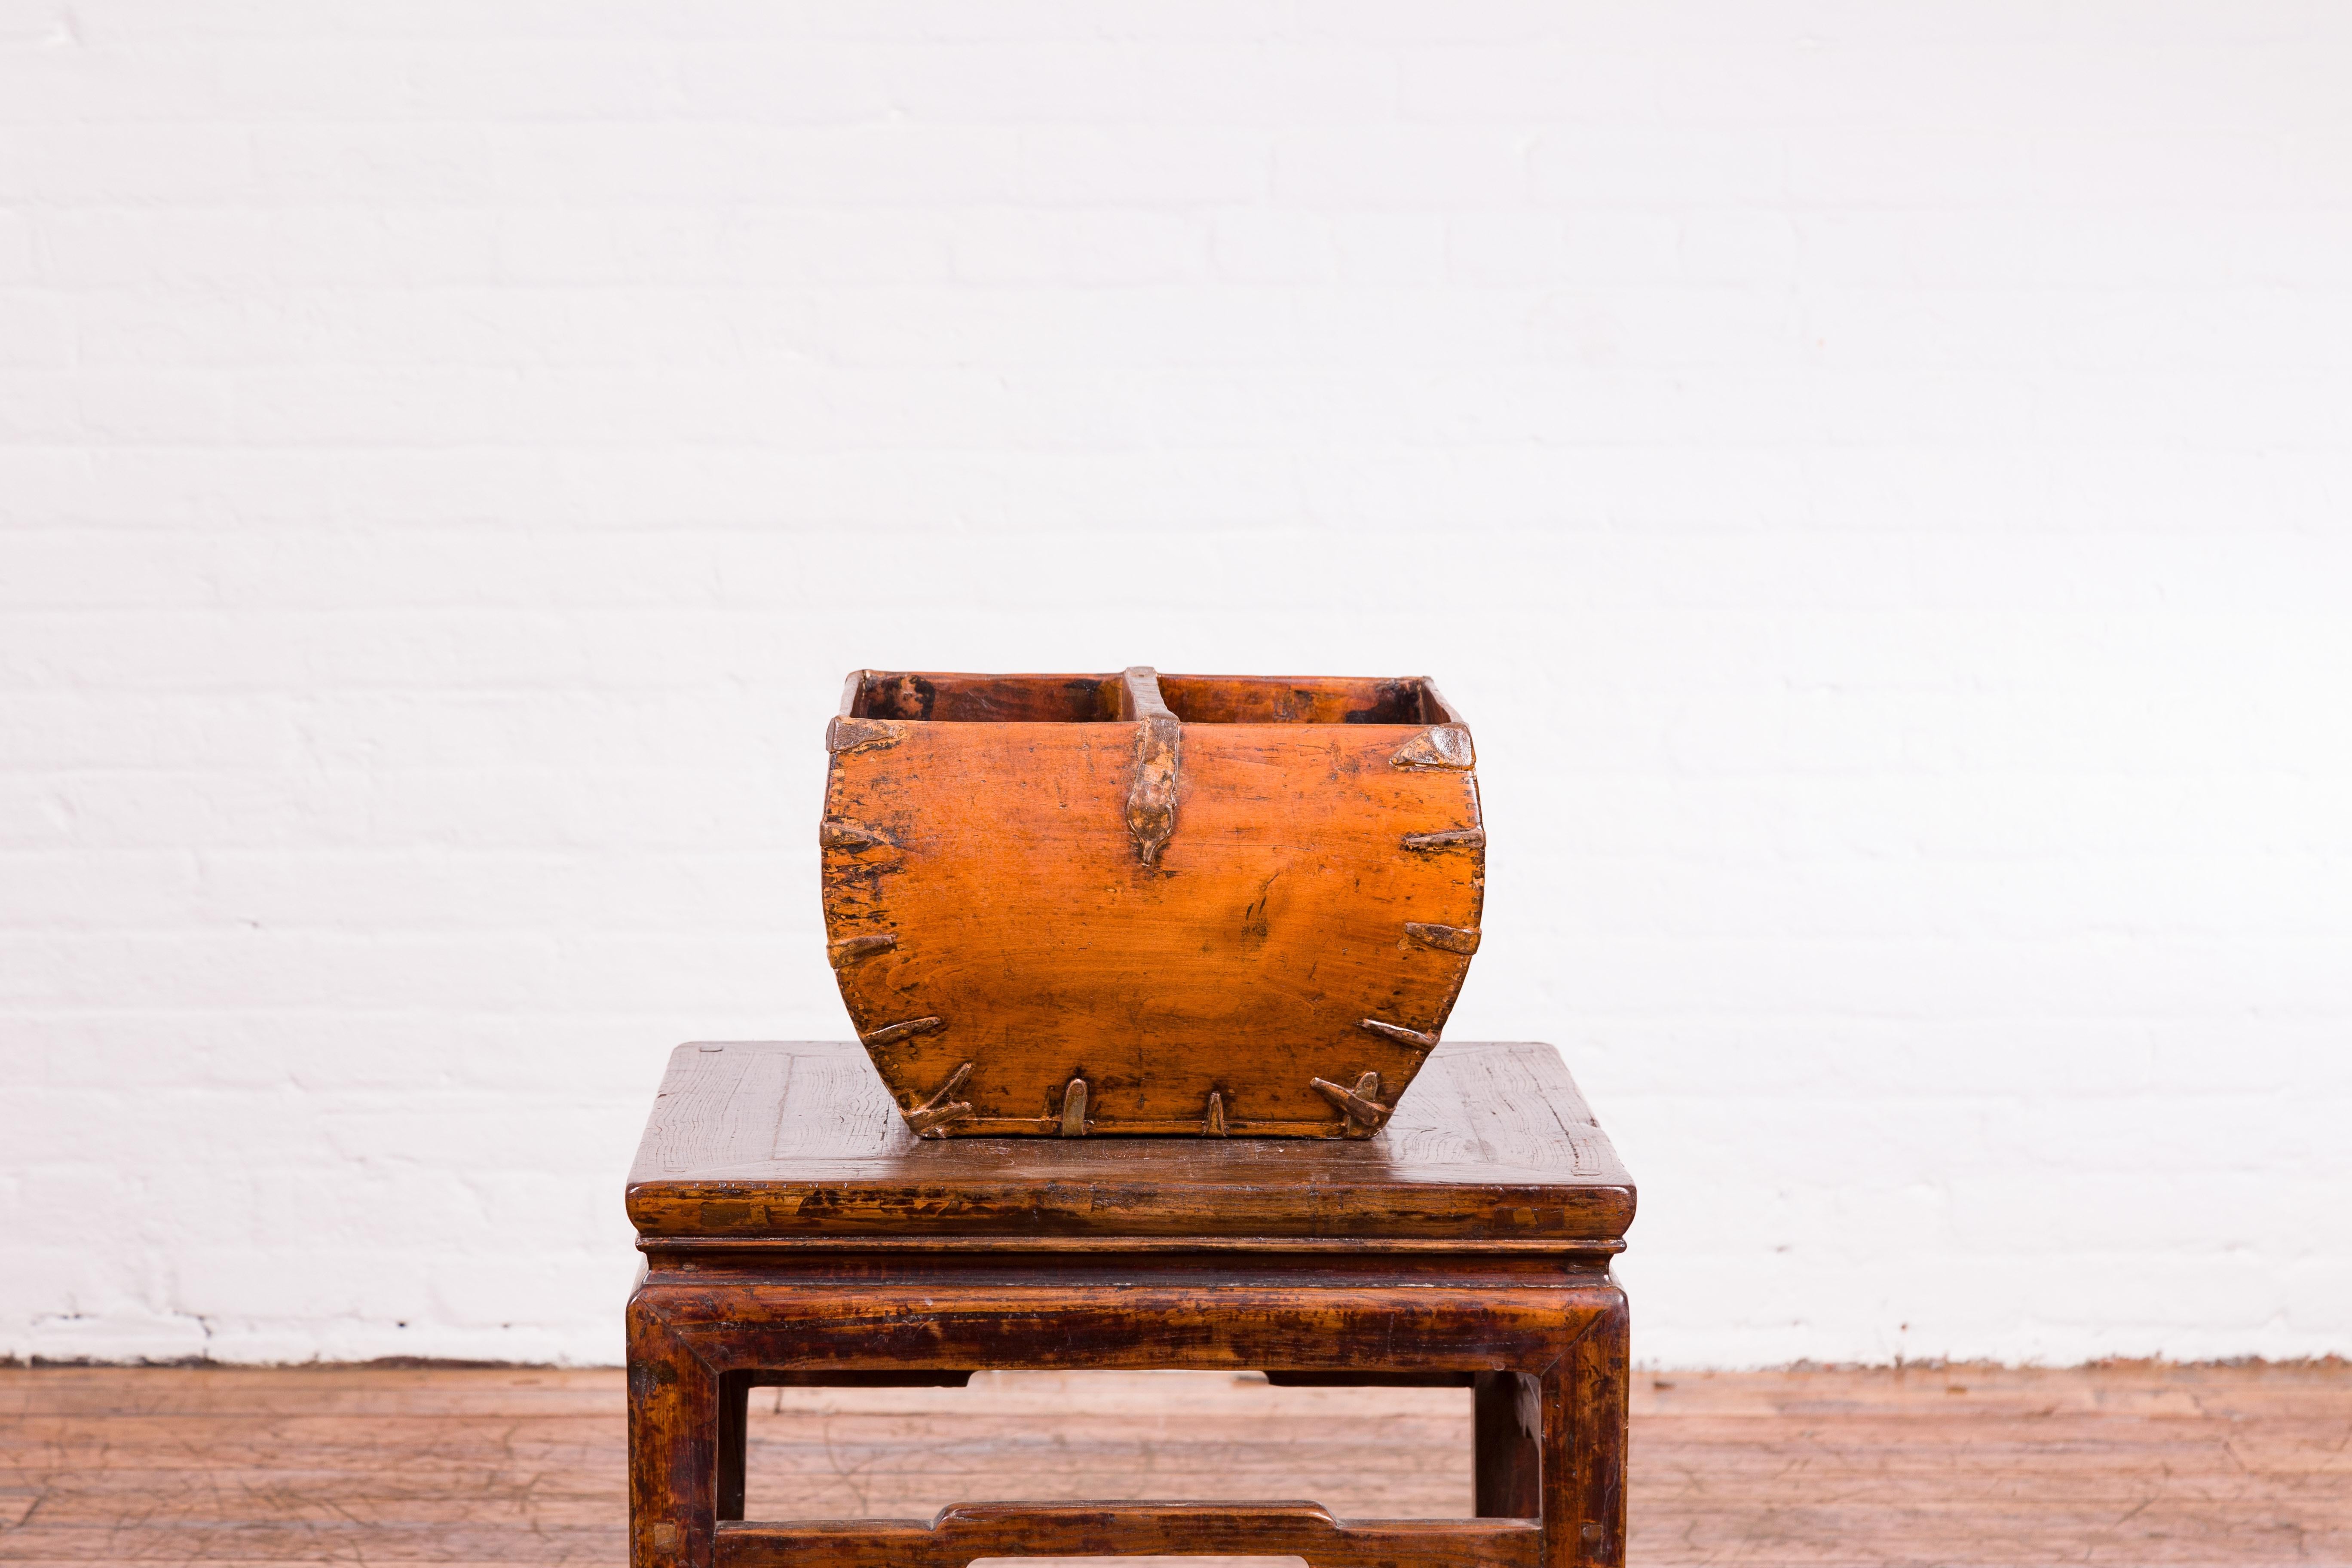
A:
x: 986, y: 874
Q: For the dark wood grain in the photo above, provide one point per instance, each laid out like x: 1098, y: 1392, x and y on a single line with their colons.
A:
x: 1026, y: 1531
x: 1491, y: 1143
x: 796, y: 1231
x: 691, y: 1337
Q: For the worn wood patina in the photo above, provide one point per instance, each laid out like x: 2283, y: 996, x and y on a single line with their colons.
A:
x: 798, y: 1231
x: 1134, y: 893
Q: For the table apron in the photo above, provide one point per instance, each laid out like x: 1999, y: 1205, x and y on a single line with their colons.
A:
x: 935, y: 1327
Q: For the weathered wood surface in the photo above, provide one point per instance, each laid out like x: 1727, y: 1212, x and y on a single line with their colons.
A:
x: 781, y: 1140
x: 1167, y: 887
x: 696, y: 1326
x: 1969, y: 1467
x: 1183, y: 1531
x: 1478, y: 1244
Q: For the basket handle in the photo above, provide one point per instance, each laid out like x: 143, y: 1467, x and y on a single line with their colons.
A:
x: 1159, y: 757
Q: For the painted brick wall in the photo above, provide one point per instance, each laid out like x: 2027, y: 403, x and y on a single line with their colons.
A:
x: 1876, y: 477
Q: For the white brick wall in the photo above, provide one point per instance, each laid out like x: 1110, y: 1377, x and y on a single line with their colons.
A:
x: 1877, y: 476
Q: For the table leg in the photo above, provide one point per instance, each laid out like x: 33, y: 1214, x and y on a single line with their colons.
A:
x: 674, y: 1424
x: 1585, y: 1398
x: 695, y: 1349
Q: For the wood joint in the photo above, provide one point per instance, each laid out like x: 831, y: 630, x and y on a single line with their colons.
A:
x: 891, y: 1034
x: 1073, y: 1108
x: 858, y: 949
x: 1212, y: 1124
x: 1399, y: 1034
x: 1439, y: 746
x: 862, y: 735
x: 943, y: 1107
x: 1462, y: 939
x: 1452, y: 839
x: 1366, y: 1115
x: 1159, y: 757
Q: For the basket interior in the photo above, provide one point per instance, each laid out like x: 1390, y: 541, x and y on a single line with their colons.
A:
x: 987, y: 699
x: 1102, y: 699
x: 1288, y: 699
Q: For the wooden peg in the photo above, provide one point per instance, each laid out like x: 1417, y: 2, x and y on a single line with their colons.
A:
x: 1213, y: 1125
x: 1399, y: 1034
x: 1073, y: 1108
x: 891, y: 1034
x: 1365, y: 1113
x: 838, y: 833
x: 852, y: 950
x: 1462, y: 939
x: 943, y: 1107
x: 1452, y: 839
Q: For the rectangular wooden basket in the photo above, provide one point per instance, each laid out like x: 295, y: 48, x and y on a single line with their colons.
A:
x: 1076, y: 905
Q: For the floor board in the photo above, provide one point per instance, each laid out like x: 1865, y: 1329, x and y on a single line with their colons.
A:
x: 1934, y: 1467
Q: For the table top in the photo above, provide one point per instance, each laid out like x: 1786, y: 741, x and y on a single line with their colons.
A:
x: 1491, y: 1146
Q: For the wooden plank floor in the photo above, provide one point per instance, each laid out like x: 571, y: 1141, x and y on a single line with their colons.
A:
x: 2117, y: 1466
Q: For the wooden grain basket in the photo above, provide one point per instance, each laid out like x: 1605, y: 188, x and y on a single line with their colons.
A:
x: 1073, y: 905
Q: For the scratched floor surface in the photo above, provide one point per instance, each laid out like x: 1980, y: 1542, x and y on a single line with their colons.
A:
x: 2122, y: 1466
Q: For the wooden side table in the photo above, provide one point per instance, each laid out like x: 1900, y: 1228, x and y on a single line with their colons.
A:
x: 795, y: 1232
